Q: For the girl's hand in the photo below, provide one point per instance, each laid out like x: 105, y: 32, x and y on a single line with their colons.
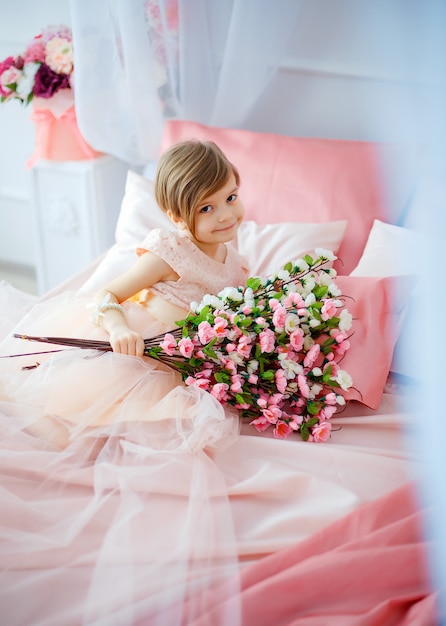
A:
x: 127, y: 341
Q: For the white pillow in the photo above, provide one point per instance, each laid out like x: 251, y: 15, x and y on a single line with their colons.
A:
x: 390, y: 251
x: 269, y: 246
x: 394, y: 251
x: 266, y: 246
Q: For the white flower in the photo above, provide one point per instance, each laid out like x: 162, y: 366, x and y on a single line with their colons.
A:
x: 334, y: 290
x: 236, y: 358
x: 283, y: 275
x: 231, y: 293
x: 292, y: 322
x: 25, y: 83
x: 315, y: 389
x: 252, y: 366
x: 314, y: 322
x: 344, y: 380
x: 290, y: 287
x: 249, y: 294
x: 326, y: 254
x: 325, y: 279
x: 310, y: 299
x: 317, y: 371
x: 210, y: 300
x: 308, y: 342
x: 345, y: 320
x: 291, y: 368
x: 340, y: 400
x: 301, y: 265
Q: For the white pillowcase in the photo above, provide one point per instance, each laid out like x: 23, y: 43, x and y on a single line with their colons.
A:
x: 269, y: 246
x: 266, y: 246
x: 390, y: 251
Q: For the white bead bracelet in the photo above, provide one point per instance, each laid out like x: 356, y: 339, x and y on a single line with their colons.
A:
x: 105, y: 305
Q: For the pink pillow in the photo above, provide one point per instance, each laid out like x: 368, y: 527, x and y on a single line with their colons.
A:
x: 291, y: 179
x: 376, y: 304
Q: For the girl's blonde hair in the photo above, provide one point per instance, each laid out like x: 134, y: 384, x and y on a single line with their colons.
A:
x: 188, y: 173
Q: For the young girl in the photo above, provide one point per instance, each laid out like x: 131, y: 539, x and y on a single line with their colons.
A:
x: 73, y: 391
x: 198, y: 189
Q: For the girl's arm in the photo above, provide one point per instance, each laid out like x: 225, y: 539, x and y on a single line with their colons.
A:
x: 148, y: 270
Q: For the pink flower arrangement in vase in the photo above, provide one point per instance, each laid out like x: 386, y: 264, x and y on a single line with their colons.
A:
x: 45, y: 67
x: 42, y: 76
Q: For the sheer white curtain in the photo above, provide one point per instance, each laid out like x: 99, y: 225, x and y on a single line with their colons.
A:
x: 139, y: 62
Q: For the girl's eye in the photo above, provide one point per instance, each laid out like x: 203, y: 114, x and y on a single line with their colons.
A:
x: 206, y: 209
x: 231, y: 198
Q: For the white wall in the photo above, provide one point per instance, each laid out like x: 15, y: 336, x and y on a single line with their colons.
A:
x: 21, y: 20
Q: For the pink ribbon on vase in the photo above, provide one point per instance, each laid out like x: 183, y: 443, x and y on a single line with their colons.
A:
x: 44, y: 120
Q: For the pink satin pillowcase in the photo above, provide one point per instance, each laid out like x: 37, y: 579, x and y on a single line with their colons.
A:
x: 376, y: 304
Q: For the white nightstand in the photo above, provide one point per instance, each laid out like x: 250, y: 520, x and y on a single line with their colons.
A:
x: 76, y: 205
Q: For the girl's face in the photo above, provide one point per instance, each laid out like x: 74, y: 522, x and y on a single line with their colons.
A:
x: 218, y: 216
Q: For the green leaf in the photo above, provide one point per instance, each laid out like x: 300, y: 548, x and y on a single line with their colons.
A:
x: 268, y: 375
x: 254, y: 282
x: 221, y: 377
x: 313, y: 409
x: 327, y: 374
x: 320, y: 291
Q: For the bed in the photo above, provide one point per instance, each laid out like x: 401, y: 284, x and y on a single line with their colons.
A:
x: 319, y: 533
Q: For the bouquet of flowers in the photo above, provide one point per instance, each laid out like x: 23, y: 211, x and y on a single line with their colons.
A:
x: 44, y: 68
x: 272, y: 348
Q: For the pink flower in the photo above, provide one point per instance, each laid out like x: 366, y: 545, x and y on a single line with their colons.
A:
x: 294, y: 299
x: 168, y: 344
x: 229, y: 365
x: 219, y: 391
x: 253, y: 379
x: 244, y: 346
x: 330, y: 398
x: 205, y: 332
x: 282, y: 430
x: 260, y: 423
x: 59, y: 55
x: 272, y: 414
x: 201, y: 383
x: 9, y: 76
x: 246, y: 310
x: 303, y: 386
x: 186, y: 347
x: 328, y: 309
x: 279, y: 317
x: 320, y: 432
x: 281, y: 380
x: 35, y: 52
x: 312, y: 355
x: 297, y: 339
x: 327, y: 412
x: 237, y: 383
x: 221, y: 327
x: 341, y: 348
x: 267, y: 340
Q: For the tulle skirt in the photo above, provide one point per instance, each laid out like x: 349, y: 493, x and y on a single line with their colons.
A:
x: 112, y: 510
